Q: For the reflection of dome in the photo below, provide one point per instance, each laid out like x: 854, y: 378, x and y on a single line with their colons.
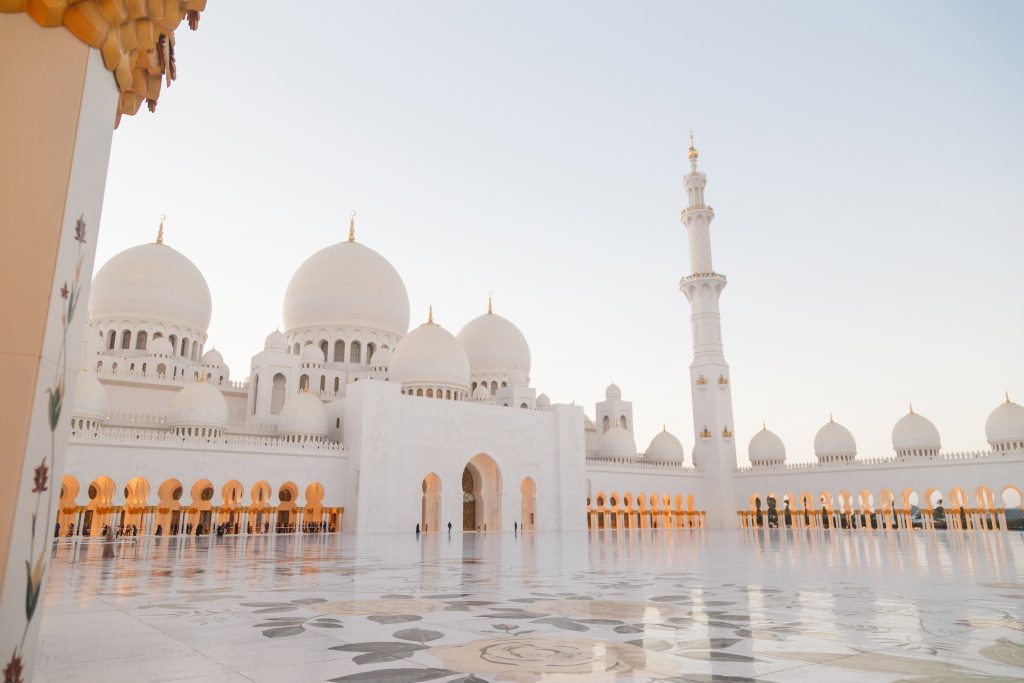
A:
x: 613, y: 392
x: 618, y: 443
x: 198, y: 405
x: 213, y: 359
x: 914, y: 434
x: 303, y: 415
x: 347, y: 285
x: 311, y: 353
x: 90, y: 397
x: 161, y: 346
x: 276, y: 341
x: 1004, y: 428
x: 430, y: 356
x: 834, y: 443
x: 665, y: 446
x: 494, y: 345
x: 543, y: 401
x: 151, y: 282
x: 766, y: 448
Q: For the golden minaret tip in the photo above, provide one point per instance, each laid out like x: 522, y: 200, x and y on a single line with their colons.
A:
x: 692, y: 155
x: 430, y: 315
x: 911, y: 409
x: 352, y: 227
x: 490, y: 303
x: 160, y: 230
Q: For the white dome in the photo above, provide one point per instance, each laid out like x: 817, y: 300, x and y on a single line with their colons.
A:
x: 347, y: 285
x: 766, y: 447
x: 430, y: 355
x: 276, y: 341
x: 617, y: 443
x: 90, y: 397
x: 311, y: 353
x: 544, y: 401
x: 199, y: 405
x: 151, y: 282
x: 212, y: 358
x: 482, y: 393
x: 834, y: 441
x: 915, y: 432
x: 1005, y: 425
x: 381, y: 358
x: 494, y: 346
x: 664, y: 446
x: 161, y: 346
x: 613, y: 392
x: 304, y: 414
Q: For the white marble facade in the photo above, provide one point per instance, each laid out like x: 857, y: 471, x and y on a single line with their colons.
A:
x: 402, y: 427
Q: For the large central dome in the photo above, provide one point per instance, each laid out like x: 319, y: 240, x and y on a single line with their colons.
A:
x: 347, y: 285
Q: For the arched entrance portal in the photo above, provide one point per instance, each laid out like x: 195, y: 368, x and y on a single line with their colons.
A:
x: 481, y: 495
x: 431, y: 505
x: 528, y: 511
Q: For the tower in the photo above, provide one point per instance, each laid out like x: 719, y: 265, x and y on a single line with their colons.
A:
x: 714, y: 448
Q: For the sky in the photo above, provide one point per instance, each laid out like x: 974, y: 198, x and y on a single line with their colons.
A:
x: 863, y: 161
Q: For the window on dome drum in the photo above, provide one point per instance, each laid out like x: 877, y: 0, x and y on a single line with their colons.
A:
x: 126, y: 339
x: 494, y: 387
x: 111, y: 340
x: 277, y: 394
x: 370, y: 350
x: 355, y: 352
x: 339, y: 351
x: 140, y: 341
x: 430, y: 393
x: 184, y: 347
x: 324, y: 347
x: 323, y: 383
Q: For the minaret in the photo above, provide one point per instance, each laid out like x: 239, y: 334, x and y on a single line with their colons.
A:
x: 714, y: 448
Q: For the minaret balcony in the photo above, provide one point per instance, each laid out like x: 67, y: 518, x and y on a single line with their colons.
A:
x: 701, y: 276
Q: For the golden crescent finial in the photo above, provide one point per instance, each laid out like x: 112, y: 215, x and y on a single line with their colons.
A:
x: 830, y: 418
x: 430, y: 315
x: 911, y: 409
x: 160, y: 230
x: 764, y: 426
x: 490, y: 302
x: 693, y: 148
x: 352, y: 226
x: 1007, y: 393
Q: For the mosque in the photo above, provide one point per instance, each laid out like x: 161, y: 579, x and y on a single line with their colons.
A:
x: 348, y: 420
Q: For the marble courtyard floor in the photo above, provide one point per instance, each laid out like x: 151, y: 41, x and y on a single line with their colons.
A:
x: 602, y: 606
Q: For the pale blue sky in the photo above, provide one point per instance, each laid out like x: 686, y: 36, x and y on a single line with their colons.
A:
x: 864, y: 161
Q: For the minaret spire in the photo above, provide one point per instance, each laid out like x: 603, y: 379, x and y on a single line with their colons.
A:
x: 352, y: 227
x: 713, y: 426
x: 160, y: 230
x: 490, y: 302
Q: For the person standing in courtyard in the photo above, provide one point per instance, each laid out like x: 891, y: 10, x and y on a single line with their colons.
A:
x: 108, y: 542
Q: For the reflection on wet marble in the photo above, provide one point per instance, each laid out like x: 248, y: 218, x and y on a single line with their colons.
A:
x: 640, y: 605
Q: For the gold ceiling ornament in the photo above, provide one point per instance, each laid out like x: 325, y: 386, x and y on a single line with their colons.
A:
x: 135, y: 37
x: 352, y: 226
x: 160, y: 231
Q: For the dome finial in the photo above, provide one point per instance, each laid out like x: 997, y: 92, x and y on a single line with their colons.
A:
x: 830, y: 418
x: 490, y: 302
x: 430, y: 315
x: 160, y: 230
x: 911, y: 409
x: 692, y: 155
x: 352, y: 226
x: 764, y: 426
x: 663, y: 427
x: 1007, y: 394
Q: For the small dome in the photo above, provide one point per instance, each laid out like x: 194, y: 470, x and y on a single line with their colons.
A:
x: 303, y: 414
x: 161, y: 346
x: 587, y: 422
x: 494, y: 345
x: 311, y: 353
x: 834, y: 442
x: 914, y: 434
x: 276, y: 341
x: 347, y: 285
x: 766, y: 448
x: 212, y: 358
x: 198, y: 405
x: 1005, y: 425
x: 381, y: 358
x: 617, y: 443
x: 664, y: 447
x: 543, y: 401
x: 482, y: 393
x: 613, y: 392
x: 90, y: 397
x: 430, y: 355
x: 151, y: 282
x: 516, y: 377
